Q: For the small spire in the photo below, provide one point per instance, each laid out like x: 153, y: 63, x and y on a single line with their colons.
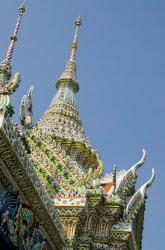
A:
x: 29, y: 117
x: 22, y: 111
x: 124, y: 198
x: 114, y: 179
x: 29, y: 100
x: 5, y: 66
x: 70, y: 69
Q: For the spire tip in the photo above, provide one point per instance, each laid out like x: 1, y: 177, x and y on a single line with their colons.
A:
x: 22, y: 8
x: 78, y: 21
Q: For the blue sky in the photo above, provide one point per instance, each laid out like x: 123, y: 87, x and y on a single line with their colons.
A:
x: 121, y: 71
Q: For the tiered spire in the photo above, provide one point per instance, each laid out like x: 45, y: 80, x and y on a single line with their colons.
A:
x: 62, y: 117
x: 5, y: 66
x: 62, y: 120
x: 70, y: 69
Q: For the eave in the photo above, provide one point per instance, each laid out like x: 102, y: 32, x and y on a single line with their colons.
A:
x: 15, y: 159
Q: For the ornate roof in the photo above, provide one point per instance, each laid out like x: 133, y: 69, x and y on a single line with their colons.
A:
x: 59, y: 173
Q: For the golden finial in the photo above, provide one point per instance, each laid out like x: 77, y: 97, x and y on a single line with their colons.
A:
x: 21, y: 11
x: 74, y: 43
x: 78, y: 21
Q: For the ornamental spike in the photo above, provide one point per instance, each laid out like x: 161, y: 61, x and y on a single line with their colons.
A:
x: 5, y: 66
x: 70, y: 69
x: 114, y: 178
x: 29, y: 117
x: 22, y: 111
x: 29, y: 99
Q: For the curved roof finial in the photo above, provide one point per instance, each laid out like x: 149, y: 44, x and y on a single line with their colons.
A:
x: 138, y: 199
x: 5, y: 66
x: 139, y: 163
x: 129, y: 179
x: 144, y: 188
x: 70, y: 69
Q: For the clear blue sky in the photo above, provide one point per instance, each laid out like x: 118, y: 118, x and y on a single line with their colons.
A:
x: 121, y: 71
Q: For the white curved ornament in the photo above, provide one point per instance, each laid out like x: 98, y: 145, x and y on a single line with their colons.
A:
x: 138, y: 199
x: 128, y: 180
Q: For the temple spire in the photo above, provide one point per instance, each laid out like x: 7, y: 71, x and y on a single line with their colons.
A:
x: 62, y: 118
x: 70, y: 69
x: 5, y: 66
